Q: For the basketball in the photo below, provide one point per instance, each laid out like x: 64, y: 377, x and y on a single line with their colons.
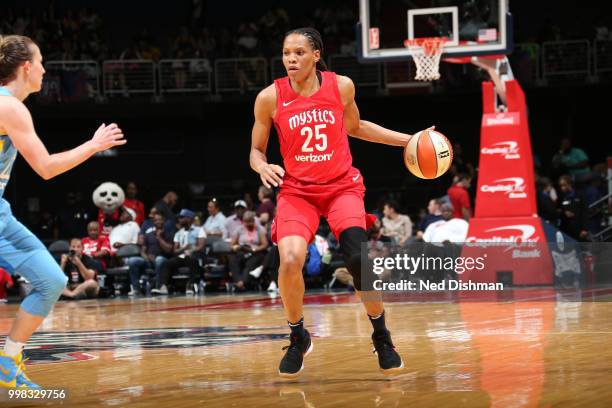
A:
x: 428, y: 154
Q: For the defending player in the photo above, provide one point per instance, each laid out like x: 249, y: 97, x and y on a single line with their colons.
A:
x: 21, y: 73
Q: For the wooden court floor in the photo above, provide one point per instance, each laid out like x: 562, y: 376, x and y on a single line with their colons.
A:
x: 539, y: 349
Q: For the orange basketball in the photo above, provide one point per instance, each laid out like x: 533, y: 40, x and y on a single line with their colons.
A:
x: 428, y: 154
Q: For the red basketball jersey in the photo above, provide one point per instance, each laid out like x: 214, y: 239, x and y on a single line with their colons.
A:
x: 312, y: 137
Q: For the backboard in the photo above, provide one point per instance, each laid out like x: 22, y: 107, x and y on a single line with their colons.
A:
x: 471, y: 27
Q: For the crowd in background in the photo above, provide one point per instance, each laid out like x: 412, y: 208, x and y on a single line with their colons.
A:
x: 155, y: 241
x: 82, y: 34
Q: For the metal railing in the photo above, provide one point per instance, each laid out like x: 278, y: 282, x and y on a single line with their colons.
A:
x: 67, y: 81
x: 566, y: 59
x: 185, y: 75
x: 361, y: 74
x: 241, y: 74
x: 70, y: 81
x: 602, y: 56
x: 128, y: 77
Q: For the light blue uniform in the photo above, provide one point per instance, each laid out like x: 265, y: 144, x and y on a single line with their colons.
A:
x: 20, y: 249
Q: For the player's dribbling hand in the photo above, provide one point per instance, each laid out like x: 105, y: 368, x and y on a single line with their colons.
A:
x: 107, y: 137
x: 271, y: 175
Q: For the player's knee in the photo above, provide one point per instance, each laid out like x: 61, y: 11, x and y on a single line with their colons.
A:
x: 291, y: 261
x: 48, y: 281
x: 55, y: 285
x: 351, y: 240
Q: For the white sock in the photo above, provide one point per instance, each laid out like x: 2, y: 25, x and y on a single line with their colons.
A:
x: 12, y: 348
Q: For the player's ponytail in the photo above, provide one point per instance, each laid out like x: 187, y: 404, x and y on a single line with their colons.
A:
x: 14, y: 51
x: 315, y: 40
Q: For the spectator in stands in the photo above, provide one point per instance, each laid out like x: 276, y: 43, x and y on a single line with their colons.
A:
x: 572, y: 160
x: 126, y: 232
x: 247, y: 41
x: 184, y: 43
x: 374, y: 231
x: 188, y: 241
x: 215, y: 223
x: 459, y: 197
x: 96, y: 246
x: 234, y: 222
x: 207, y: 44
x: 155, y: 247
x: 434, y: 214
x: 179, y: 68
x: 148, y: 50
x: 156, y: 244
x: 266, y: 207
x: 547, y: 207
x: 449, y: 228
x: 166, y: 204
x: 149, y: 224
x: 249, y: 244
x: 81, y: 272
x: 592, y: 193
x: 572, y: 209
x: 131, y: 192
x: 396, y: 226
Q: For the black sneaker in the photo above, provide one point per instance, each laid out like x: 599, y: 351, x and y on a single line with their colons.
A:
x: 389, y: 360
x: 292, y: 363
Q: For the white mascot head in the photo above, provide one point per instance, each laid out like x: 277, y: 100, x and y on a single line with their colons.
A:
x: 108, y: 197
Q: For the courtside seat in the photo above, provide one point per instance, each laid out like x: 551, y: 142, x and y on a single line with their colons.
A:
x: 59, y: 248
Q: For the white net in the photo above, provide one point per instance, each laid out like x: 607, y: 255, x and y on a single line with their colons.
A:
x: 426, y: 53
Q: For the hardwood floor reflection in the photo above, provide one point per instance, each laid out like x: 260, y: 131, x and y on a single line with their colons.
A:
x: 224, y: 351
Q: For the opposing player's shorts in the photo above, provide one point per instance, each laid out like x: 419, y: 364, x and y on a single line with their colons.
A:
x: 300, y: 206
x: 24, y: 254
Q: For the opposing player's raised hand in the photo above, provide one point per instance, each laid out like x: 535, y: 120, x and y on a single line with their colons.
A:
x: 107, y: 137
x: 271, y: 175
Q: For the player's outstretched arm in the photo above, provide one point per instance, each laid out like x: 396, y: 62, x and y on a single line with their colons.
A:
x: 17, y: 123
x: 265, y: 105
x: 363, y: 129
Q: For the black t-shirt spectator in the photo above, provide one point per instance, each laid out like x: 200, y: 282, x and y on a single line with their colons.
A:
x: 573, y: 225
x: 152, y: 244
x: 72, y: 271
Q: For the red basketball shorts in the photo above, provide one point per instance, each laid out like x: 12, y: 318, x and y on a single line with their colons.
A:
x: 300, y: 206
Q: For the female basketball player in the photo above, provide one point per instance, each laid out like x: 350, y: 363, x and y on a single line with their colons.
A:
x: 21, y: 73
x: 313, y: 110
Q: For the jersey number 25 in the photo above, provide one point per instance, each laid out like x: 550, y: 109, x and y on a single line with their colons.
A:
x: 308, y: 132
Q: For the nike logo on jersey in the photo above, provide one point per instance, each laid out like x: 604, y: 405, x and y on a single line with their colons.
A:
x: 356, y: 177
x: 285, y: 104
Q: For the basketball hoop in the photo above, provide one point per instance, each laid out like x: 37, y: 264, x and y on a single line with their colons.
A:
x: 426, y: 53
